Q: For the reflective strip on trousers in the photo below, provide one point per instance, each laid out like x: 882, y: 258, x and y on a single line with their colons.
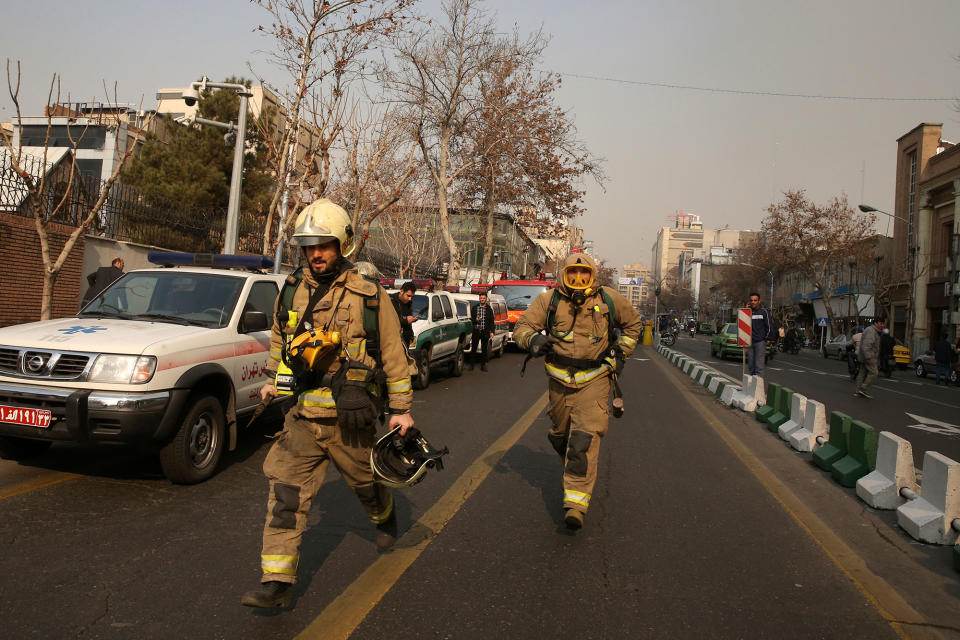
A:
x: 576, y: 497
x: 400, y: 386
x: 317, y: 398
x: 383, y: 516
x: 580, y: 377
x: 286, y: 565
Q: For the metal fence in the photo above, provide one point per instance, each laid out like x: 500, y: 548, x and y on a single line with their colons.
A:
x: 127, y: 214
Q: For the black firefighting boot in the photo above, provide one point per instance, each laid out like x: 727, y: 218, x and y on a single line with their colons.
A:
x: 270, y: 595
x: 573, y: 519
x: 387, y: 533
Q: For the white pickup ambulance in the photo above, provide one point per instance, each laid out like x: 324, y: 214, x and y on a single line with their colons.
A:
x: 169, y: 358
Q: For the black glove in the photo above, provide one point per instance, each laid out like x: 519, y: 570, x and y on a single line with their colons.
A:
x: 620, y: 359
x: 355, y: 410
x: 540, y: 345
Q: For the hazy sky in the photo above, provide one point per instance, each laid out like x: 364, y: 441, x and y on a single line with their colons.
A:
x: 723, y: 156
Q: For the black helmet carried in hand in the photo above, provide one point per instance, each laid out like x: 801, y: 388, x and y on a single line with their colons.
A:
x: 401, y: 461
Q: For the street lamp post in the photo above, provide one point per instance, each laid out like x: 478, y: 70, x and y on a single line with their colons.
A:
x: 911, y: 257
x: 190, y: 97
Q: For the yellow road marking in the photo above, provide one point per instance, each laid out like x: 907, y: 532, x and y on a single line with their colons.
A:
x: 339, y: 619
x: 45, y: 480
x: 885, y: 599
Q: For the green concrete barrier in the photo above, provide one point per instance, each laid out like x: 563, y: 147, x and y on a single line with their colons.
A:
x: 861, y: 457
x: 763, y: 413
x: 784, y: 407
x: 720, y: 387
x: 836, y: 447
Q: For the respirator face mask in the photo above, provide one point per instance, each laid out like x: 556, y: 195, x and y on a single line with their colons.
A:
x: 579, y: 279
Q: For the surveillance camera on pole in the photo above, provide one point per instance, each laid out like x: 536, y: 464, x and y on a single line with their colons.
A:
x: 191, y: 96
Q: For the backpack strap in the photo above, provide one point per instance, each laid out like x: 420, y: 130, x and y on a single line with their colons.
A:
x: 287, y: 292
x: 371, y: 322
x: 552, y: 310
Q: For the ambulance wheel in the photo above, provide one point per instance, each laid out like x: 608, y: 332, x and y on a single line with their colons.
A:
x: 13, y: 448
x: 422, y: 379
x: 456, y: 365
x: 193, y: 454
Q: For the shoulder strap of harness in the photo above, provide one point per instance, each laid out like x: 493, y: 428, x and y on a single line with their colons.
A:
x: 371, y: 322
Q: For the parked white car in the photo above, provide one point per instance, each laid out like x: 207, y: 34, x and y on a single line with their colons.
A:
x: 441, y: 335
x: 166, y: 358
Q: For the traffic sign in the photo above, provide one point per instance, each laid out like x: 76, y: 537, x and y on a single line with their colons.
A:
x: 821, y: 322
x: 744, y: 325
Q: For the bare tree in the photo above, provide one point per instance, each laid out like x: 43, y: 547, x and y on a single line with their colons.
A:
x: 40, y: 191
x: 438, y: 79
x: 378, y: 163
x: 322, y: 45
x: 406, y: 232
x: 816, y: 241
x: 530, y: 159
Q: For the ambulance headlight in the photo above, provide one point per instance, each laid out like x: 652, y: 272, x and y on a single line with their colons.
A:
x: 123, y: 369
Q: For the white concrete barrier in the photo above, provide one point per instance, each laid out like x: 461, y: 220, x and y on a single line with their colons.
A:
x: 714, y: 384
x: 695, y: 371
x: 754, y: 393
x: 798, y: 406
x: 814, y: 426
x: 929, y: 517
x: 729, y: 392
x: 881, y: 487
x: 744, y: 392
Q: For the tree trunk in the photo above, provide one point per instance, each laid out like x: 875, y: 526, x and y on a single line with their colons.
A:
x: 488, y: 233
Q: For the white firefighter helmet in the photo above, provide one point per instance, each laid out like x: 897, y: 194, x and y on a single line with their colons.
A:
x: 400, y: 461
x: 321, y: 222
x: 579, y: 273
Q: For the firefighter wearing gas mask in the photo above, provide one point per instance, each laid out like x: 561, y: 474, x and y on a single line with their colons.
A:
x: 583, y: 353
x: 336, y: 342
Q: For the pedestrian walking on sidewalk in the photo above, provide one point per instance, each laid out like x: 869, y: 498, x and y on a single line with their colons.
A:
x: 869, y: 356
x: 761, y: 330
x: 944, y: 356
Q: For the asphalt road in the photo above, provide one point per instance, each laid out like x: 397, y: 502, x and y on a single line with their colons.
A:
x: 914, y: 408
x: 702, y: 525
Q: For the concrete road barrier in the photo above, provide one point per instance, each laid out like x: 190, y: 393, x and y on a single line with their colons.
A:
x: 861, y: 456
x: 728, y: 394
x: 769, y: 407
x: 836, y: 446
x: 798, y: 408
x: 814, y: 426
x: 713, y: 384
x: 751, y: 395
x: 783, y: 406
x: 930, y: 517
x: 894, y: 471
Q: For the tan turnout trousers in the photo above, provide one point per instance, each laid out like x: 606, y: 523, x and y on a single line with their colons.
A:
x: 579, y: 416
x: 295, y: 466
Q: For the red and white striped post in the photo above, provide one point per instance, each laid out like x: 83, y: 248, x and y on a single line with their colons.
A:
x: 744, y: 326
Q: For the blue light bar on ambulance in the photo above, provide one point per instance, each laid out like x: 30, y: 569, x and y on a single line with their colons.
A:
x: 221, y: 260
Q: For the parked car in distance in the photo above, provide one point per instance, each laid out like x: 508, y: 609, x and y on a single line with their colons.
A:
x: 927, y: 363
x: 706, y: 328
x: 500, y: 319
x: 836, y: 347
x: 724, y: 344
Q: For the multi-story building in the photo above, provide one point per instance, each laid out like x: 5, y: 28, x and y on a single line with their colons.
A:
x: 635, y: 285
x: 926, y: 232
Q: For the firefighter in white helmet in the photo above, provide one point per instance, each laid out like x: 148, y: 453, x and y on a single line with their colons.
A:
x: 340, y: 337
x: 582, y: 352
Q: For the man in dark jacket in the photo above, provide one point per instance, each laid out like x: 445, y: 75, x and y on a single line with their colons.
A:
x: 943, y: 354
x: 482, y: 317
x: 401, y: 302
x: 761, y: 330
x: 102, y: 278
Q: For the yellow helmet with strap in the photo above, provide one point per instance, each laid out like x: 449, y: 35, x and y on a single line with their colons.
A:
x: 579, y: 273
x: 323, y: 221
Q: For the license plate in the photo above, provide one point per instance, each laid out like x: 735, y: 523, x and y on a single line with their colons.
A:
x: 28, y: 417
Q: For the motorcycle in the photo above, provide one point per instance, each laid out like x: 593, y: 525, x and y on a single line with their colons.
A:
x: 668, y: 338
x: 853, y: 363
x: 693, y: 331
